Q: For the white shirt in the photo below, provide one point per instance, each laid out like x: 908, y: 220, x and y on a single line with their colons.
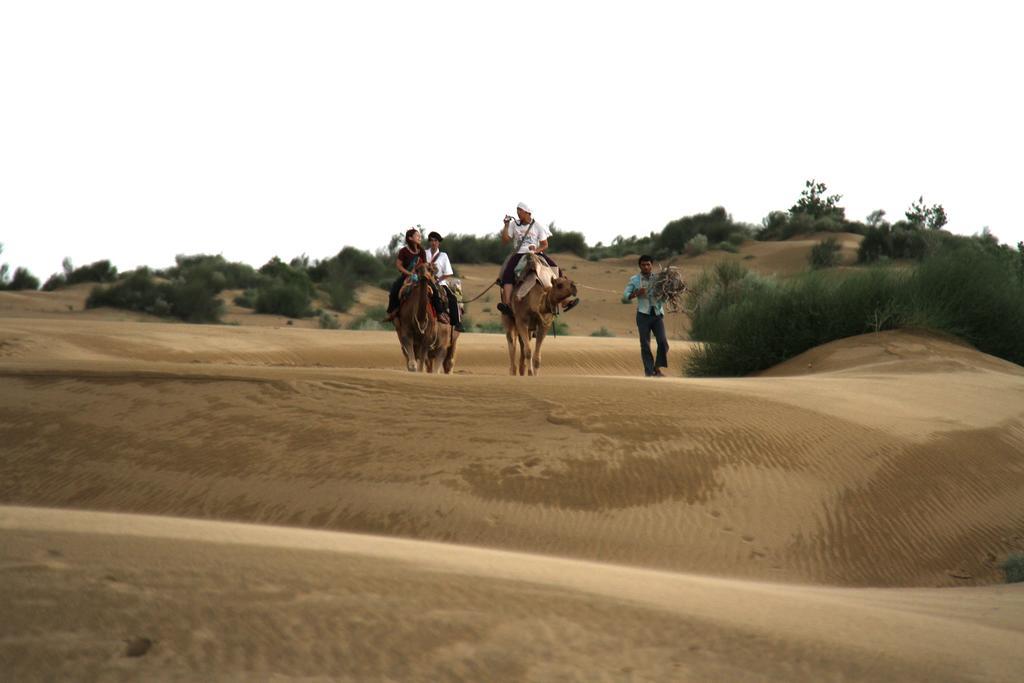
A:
x: 537, y: 234
x: 443, y: 265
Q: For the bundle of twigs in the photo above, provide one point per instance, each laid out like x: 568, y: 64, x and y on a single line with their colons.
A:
x: 669, y: 287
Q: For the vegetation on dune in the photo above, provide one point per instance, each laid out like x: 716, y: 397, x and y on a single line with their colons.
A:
x: 1014, y: 568
x: 748, y: 322
x: 22, y: 278
x: 189, y: 297
x: 370, y: 319
x: 825, y: 254
x: 98, y: 271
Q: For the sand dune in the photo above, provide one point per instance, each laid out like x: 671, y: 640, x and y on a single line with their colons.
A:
x: 229, y: 601
x: 844, y: 478
x: 851, y: 487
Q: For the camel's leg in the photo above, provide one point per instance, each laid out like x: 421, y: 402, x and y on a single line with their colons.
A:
x: 541, y: 333
x: 525, y: 353
x: 449, y: 357
x: 435, y: 358
x: 421, y: 356
x: 409, y: 351
x: 510, y: 338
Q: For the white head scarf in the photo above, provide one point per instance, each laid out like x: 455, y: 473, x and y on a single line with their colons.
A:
x: 524, y: 207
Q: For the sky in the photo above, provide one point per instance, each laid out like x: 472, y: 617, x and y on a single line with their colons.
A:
x: 135, y: 131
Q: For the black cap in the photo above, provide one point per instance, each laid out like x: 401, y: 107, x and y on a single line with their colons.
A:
x: 434, y: 235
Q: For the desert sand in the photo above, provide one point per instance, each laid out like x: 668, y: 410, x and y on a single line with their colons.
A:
x: 266, y: 501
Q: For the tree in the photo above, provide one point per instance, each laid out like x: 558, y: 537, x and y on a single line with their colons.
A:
x: 921, y: 215
x: 875, y: 218
x: 23, y: 279
x: 815, y: 203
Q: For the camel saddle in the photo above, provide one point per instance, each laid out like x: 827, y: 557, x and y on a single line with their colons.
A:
x: 536, y: 271
x: 403, y: 292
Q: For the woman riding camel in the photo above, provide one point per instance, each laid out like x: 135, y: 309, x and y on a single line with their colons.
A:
x: 530, y: 237
x: 406, y: 261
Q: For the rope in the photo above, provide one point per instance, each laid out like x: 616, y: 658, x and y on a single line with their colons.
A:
x: 480, y: 294
x: 598, y: 289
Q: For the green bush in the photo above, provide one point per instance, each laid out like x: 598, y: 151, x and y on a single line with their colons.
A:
x: 246, y: 299
x: 353, y: 266
x: 697, y: 245
x: 371, y: 320
x: 603, y: 332
x: 1014, y: 568
x: 192, y: 301
x: 474, y: 249
x: 214, y: 270
x: 488, y: 327
x: 22, y: 279
x: 568, y: 242
x: 341, y: 292
x: 747, y: 323
x: 283, y: 298
x: 328, y: 321
x: 716, y: 226
x: 98, y: 271
x: 284, y: 290
x: 825, y: 254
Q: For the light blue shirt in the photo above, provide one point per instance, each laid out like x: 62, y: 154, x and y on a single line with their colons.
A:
x: 646, y: 304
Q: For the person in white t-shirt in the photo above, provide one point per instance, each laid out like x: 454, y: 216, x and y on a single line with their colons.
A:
x: 445, y: 276
x: 528, y: 236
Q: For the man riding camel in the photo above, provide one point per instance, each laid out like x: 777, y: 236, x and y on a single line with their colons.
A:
x: 406, y: 261
x: 530, y: 237
x: 445, y: 275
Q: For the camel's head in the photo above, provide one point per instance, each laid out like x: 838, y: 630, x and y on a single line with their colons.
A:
x: 562, y: 288
x: 425, y: 270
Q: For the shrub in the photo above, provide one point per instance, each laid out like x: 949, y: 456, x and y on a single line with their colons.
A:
x: 747, y: 324
x: 825, y: 254
x: 727, y: 246
x: 603, y: 332
x: 716, y: 225
x: 1014, y: 568
x: 559, y: 328
x: 283, y: 298
x: 192, y: 301
x: 98, y: 271
x: 489, y: 327
x: 474, y: 249
x: 568, y: 242
x: 328, y: 321
x: 22, y: 279
x: 370, y: 320
x: 284, y: 290
x: 341, y: 292
x: 246, y: 299
x: 697, y: 245
x: 215, y: 270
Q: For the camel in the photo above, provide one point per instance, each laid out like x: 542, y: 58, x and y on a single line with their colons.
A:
x: 534, y: 314
x: 427, y: 344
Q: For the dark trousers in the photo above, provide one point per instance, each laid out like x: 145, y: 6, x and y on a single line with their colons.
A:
x: 453, y: 308
x: 646, y: 324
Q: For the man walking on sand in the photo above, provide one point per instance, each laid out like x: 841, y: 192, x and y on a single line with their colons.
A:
x: 650, y: 317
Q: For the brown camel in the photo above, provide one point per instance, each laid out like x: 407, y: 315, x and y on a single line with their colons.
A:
x: 427, y: 344
x: 534, y: 314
